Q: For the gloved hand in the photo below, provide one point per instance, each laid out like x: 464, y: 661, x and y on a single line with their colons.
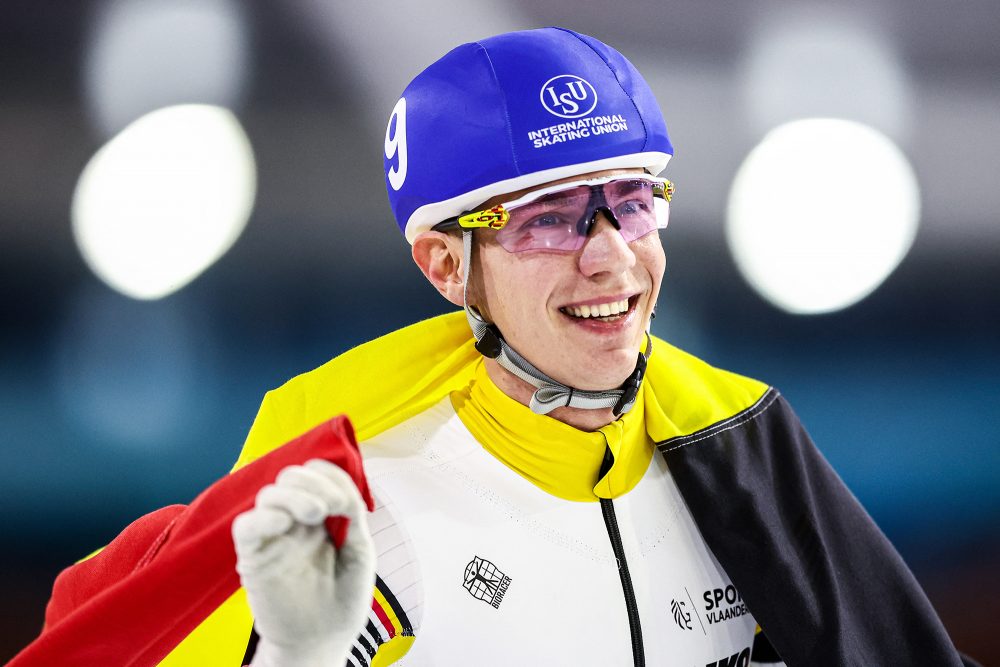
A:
x: 309, y: 600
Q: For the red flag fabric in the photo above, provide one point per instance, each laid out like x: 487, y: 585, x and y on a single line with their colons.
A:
x: 157, y: 581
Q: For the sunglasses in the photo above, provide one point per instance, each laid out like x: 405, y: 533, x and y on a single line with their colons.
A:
x: 560, y: 217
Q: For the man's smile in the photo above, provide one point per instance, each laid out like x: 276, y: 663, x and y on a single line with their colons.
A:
x: 606, y: 310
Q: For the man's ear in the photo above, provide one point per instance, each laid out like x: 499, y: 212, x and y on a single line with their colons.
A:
x: 439, y: 257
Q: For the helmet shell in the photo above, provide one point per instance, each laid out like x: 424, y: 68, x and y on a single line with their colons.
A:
x: 511, y: 112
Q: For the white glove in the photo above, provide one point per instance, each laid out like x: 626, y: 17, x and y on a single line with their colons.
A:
x: 309, y: 600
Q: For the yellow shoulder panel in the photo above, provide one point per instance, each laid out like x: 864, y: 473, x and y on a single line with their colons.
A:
x: 377, y: 385
x: 683, y: 394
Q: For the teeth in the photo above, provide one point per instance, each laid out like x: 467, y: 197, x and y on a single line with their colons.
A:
x: 600, y: 310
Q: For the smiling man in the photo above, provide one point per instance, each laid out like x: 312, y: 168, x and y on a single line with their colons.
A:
x: 552, y: 484
x: 523, y: 515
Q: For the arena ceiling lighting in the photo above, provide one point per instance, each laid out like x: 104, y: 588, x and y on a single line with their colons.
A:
x: 820, y: 213
x: 164, y: 199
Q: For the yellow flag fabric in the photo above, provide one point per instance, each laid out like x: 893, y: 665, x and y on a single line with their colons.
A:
x: 378, y: 385
x: 384, y: 382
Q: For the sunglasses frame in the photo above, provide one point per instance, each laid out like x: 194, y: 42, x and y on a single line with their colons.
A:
x: 497, y: 216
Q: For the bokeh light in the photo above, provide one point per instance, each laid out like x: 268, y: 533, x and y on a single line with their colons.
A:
x: 820, y: 213
x: 163, y: 200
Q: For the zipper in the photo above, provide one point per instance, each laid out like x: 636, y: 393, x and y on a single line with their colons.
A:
x: 631, y: 608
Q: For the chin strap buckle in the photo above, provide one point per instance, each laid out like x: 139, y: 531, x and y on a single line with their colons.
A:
x: 490, y: 344
x: 630, y: 388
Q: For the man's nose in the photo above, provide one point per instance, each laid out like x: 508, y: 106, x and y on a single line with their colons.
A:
x: 605, y: 250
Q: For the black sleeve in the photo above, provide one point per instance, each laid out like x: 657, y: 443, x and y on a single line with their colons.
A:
x: 816, y: 572
x: 763, y: 653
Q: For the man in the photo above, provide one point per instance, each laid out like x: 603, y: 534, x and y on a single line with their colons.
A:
x: 557, y: 486
x: 521, y: 515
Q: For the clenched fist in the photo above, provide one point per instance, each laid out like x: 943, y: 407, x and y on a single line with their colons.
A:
x: 309, y: 599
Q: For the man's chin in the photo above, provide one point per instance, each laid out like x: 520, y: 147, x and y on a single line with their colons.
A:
x: 597, y: 376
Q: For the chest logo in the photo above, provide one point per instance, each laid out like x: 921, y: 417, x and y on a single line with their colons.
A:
x: 485, y: 581
x: 724, y: 604
x: 681, y: 618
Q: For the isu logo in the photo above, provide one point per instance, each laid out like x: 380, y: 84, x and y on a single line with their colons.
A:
x: 682, y: 619
x: 485, y: 582
x: 568, y: 96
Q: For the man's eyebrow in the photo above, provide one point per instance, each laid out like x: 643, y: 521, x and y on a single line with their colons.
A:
x: 629, y: 185
x: 561, y: 194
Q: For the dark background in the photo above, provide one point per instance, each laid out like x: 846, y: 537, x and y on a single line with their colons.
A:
x: 111, y: 407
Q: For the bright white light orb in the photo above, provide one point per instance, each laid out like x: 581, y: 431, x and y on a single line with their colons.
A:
x: 820, y: 213
x: 165, y: 199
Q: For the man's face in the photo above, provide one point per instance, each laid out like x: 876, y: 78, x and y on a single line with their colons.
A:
x: 537, y: 298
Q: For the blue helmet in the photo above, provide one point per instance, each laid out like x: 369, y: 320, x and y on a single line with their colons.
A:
x: 511, y: 112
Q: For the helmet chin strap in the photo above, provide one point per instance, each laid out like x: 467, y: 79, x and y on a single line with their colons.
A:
x: 549, y: 394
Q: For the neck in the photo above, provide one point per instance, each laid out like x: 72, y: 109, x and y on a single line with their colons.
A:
x: 521, y: 391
